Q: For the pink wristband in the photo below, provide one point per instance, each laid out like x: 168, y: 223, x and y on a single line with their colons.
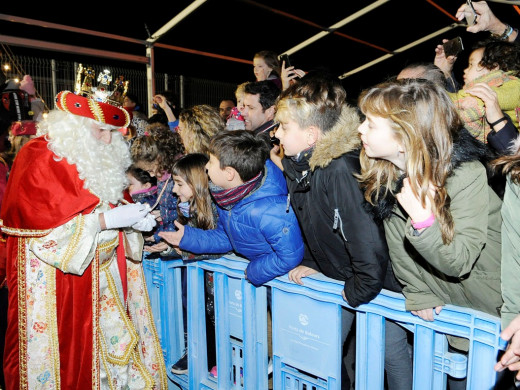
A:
x: 424, y: 224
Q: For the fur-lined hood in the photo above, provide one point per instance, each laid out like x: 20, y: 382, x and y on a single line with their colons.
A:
x: 341, y: 139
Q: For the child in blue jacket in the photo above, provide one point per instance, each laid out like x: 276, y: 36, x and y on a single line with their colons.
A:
x: 254, y: 218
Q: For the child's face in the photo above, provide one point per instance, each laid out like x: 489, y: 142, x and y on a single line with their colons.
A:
x: 182, y: 189
x: 293, y: 138
x: 260, y: 69
x: 240, y: 102
x: 135, y: 185
x: 379, y: 140
x: 474, y: 70
x: 218, y: 176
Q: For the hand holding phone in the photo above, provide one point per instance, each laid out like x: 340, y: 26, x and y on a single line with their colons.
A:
x: 470, y: 14
x: 453, y: 47
x: 285, y: 58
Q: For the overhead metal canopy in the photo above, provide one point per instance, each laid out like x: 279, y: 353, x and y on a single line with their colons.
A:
x: 361, y: 27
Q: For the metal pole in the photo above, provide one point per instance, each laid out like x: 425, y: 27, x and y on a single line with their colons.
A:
x: 150, y: 76
x: 53, y: 74
x: 181, y: 91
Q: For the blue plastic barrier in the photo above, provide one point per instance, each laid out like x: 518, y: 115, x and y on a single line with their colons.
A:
x: 163, y: 280
x: 306, y: 323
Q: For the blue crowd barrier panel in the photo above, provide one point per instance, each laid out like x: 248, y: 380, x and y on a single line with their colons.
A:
x: 239, y: 306
x: 306, y: 333
x: 303, y: 329
x: 163, y: 280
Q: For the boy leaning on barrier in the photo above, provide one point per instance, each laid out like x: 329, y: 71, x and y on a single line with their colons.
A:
x: 318, y: 131
x: 254, y: 218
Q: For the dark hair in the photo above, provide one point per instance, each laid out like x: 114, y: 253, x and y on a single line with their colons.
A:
x: 141, y: 175
x: 504, y: 54
x: 267, y: 90
x: 160, y: 145
x: 271, y: 60
x: 241, y: 150
x: 192, y: 169
x: 135, y: 99
x: 230, y: 99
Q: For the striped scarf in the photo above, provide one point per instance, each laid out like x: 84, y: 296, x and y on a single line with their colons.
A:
x: 226, y: 199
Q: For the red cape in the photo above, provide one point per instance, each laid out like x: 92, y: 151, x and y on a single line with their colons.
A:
x: 43, y: 193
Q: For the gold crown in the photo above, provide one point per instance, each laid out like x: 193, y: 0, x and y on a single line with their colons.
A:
x: 84, y: 86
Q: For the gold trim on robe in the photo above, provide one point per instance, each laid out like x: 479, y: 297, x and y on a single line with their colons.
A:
x: 126, y: 349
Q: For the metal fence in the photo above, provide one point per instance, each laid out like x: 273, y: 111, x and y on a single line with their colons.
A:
x: 51, y: 76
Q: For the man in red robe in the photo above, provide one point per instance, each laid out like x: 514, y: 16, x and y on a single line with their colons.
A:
x: 79, y: 314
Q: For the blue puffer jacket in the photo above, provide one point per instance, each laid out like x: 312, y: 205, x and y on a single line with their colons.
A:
x: 260, y: 228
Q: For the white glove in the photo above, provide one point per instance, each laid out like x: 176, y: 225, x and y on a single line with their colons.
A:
x: 124, y: 216
x: 146, y: 224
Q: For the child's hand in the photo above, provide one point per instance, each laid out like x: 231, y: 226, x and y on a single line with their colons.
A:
x: 511, y: 357
x: 427, y: 314
x: 159, y: 247
x: 173, y: 238
x: 411, y: 203
x: 490, y: 99
x: 157, y: 215
x: 276, y: 156
x: 297, y: 273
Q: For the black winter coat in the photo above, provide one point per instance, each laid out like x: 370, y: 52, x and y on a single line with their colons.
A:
x: 342, y: 239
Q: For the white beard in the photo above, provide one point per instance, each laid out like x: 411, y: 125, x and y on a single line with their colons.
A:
x: 102, y: 166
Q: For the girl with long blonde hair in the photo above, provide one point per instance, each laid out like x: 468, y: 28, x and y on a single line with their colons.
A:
x: 423, y: 172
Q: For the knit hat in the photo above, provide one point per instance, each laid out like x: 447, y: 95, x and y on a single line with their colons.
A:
x: 27, y: 85
x: 89, y: 108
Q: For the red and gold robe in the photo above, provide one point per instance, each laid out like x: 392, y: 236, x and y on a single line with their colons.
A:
x: 79, y: 314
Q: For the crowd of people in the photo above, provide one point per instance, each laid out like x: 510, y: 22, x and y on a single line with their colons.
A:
x: 415, y: 190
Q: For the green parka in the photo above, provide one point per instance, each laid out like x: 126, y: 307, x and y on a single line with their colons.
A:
x: 467, y: 271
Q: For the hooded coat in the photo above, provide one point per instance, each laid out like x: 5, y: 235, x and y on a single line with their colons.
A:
x: 467, y: 271
x: 342, y: 240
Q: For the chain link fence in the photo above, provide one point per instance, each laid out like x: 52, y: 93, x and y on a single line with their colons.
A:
x: 51, y: 76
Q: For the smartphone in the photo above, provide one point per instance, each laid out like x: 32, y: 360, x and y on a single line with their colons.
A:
x: 453, y: 47
x: 285, y: 58
x: 470, y: 13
